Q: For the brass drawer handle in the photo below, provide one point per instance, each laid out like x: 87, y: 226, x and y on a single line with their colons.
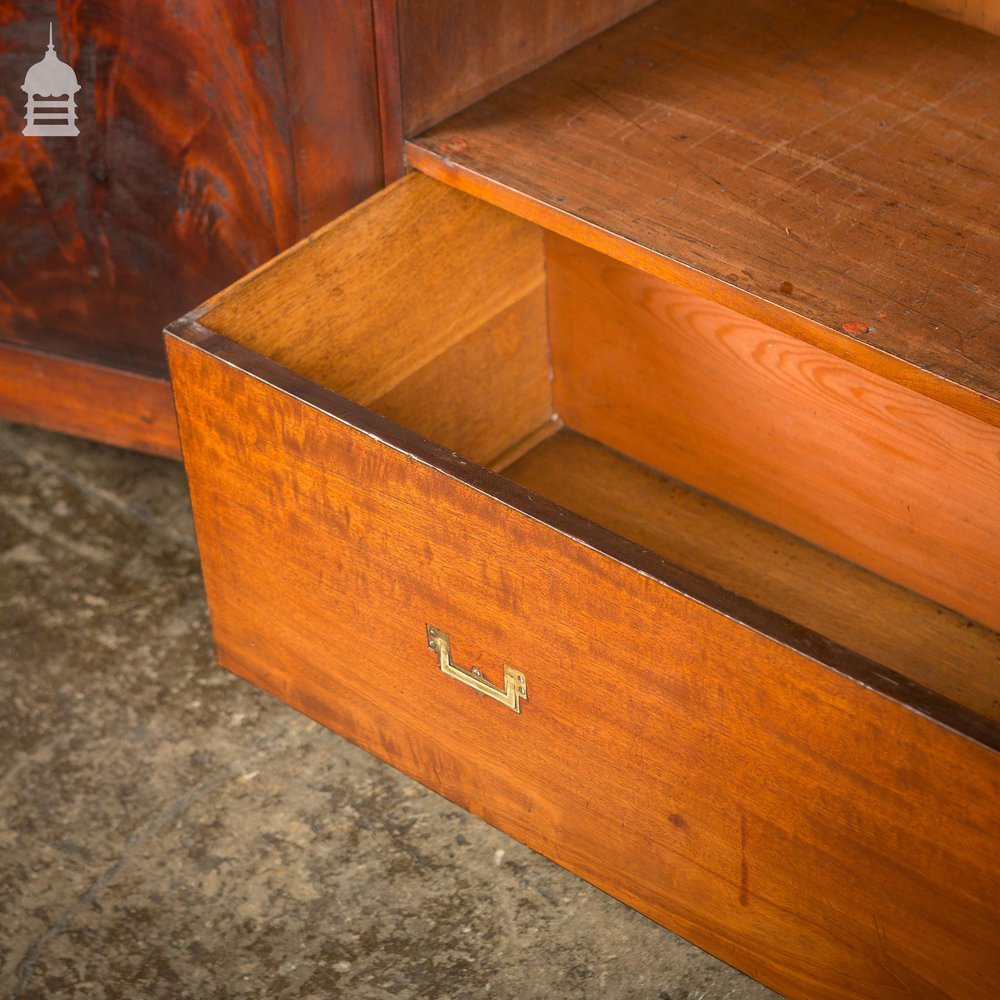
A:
x: 510, y: 694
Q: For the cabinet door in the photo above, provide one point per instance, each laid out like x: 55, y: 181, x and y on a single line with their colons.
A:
x: 211, y: 137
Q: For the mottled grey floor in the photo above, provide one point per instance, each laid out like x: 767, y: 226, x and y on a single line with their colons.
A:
x: 168, y: 831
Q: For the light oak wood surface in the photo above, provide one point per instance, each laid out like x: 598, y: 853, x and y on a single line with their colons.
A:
x: 389, y: 303
x: 481, y: 396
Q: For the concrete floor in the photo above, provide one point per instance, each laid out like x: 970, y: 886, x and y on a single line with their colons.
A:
x: 166, y: 830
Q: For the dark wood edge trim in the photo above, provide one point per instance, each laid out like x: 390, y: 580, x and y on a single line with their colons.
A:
x: 385, y: 18
x: 88, y: 400
x: 580, y: 230
x: 877, y: 678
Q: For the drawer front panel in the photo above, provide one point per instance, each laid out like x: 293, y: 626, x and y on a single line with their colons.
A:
x: 814, y: 833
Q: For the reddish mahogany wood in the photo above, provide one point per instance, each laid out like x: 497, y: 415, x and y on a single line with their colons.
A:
x: 328, y: 112
x: 735, y: 777
x: 212, y: 136
x: 832, y: 174
x: 390, y: 98
x: 107, y: 404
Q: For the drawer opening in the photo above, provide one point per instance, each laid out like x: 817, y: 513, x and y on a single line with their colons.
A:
x: 672, y: 393
x: 850, y: 505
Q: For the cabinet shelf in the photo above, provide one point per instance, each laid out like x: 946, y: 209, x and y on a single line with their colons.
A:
x: 830, y: 170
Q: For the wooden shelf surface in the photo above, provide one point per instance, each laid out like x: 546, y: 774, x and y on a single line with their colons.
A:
x: 830, y: 168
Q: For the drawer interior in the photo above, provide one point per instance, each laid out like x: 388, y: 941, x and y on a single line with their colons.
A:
x: 853, y: 506
x: 422, y: 304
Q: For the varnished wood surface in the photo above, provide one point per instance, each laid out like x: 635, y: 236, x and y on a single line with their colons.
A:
x: 455, y: 51
x: 328, y: 112
x: 92, y: 401
x: 483, y: 394
x: 982, y: 14
x: 212, y: 135
x: 890, y: 479
x: 816, y: 833
x: 831, y: 175
x: 423, y: 303
x: 390, y: 97
x: 927, y: 643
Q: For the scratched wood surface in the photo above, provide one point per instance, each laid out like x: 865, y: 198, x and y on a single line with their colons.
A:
x: 832, y: 175
x: 739, y: 787
x: 212, y: 136
x: 890, y: 479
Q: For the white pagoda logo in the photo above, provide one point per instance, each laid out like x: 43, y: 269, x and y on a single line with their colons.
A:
x: 51, y: 87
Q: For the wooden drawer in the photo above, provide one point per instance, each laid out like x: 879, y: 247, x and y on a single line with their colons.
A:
x: 434, y: 437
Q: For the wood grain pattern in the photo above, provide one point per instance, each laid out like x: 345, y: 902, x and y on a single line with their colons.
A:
x: 92, y: 401
x: 884, y: 476
x: 390, y: 97
x: 982, y: 14
x: 937, y: 648
x: 212, y: 136
x: 370, y: 299
x: 747, y: 792
x: 831, y: 175
x: 487, y: 392
x: 455, y: 51
x: 331, y: 110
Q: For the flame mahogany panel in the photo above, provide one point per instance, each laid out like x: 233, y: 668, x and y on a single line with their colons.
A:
x: 213, y: 135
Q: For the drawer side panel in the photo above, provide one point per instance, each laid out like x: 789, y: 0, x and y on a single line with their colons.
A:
x: 882, y: 475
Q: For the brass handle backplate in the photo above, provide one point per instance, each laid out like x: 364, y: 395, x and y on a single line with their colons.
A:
x: 514, y: 687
